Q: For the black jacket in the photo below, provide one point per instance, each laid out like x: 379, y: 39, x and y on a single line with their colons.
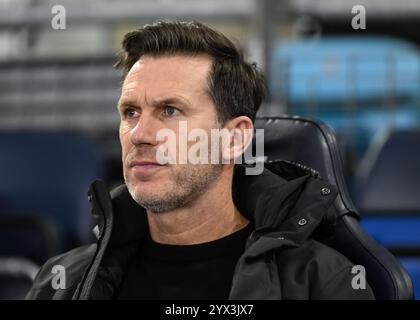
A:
x: 286, y: 257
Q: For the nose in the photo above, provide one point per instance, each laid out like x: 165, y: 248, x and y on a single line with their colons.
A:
x: 145, y: 130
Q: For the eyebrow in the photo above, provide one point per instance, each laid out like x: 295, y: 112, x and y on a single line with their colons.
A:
x: 157, y: 103
x: 160, y: 102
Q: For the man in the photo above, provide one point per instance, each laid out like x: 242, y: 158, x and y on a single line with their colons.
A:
x: 200, y: 230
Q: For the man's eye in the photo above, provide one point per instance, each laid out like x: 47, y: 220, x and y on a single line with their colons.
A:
x: 170, y: 111
x: 130, y: 113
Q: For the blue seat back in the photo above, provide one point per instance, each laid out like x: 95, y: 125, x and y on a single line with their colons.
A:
x: 312, y: 143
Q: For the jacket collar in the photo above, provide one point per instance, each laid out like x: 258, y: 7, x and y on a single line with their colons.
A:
x: 285, y: 202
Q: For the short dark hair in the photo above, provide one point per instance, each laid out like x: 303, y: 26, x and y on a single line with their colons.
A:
x: 236, y: 86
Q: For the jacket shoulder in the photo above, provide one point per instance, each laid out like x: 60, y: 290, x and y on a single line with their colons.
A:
x: 72, y: 266
x: 321, y: 272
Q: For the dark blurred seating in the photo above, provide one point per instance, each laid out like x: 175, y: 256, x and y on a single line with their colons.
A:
x: 412, y: 265
x: 32, y: 236
x: 16, y: 276
x: 389, y: 196
x: 390, y: 174
x: 43, y: 192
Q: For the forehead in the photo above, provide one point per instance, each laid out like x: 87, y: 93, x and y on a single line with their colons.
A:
x: 177, y: 73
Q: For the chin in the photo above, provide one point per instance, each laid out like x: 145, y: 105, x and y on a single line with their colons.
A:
x: 146, y: 190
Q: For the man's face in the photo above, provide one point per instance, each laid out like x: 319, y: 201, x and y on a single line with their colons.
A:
x: 157, y: 94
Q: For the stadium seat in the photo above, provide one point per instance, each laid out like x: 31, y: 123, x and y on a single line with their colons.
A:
x: 16, y: 277
x: 388, y: 184
x: 43, y: 191
x: 311, y: 143
x: 34, y: 237
x: 412, y: 265
x: 389, y: 175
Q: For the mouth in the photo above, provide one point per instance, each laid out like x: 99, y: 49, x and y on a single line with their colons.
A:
x: 144, y: 169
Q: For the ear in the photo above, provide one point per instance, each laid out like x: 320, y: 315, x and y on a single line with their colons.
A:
x: 241, y: 131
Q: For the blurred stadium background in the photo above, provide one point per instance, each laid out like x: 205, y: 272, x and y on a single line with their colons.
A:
x: 59, y: 124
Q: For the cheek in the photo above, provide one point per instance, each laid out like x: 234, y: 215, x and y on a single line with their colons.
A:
x: 124, y: 129
x: 124, y: 133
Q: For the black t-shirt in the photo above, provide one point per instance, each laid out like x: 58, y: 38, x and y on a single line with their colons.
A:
x: 202, y: 271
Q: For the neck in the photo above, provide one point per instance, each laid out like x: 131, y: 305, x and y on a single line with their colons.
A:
x: 212, y: 216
